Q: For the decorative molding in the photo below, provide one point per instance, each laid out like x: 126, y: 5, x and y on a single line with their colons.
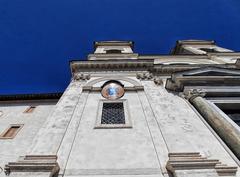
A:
x: 204, y: 77
x: 149, y: 76
x: 144, y: 76
x: 120, y: 56
x: 217, y: 91
x: 89, y: 86
x: 81, y: 77
x: 195, y: 161
x: 193, y: 93
x: 158, y: 81
x: 238, y: 63
x: 34, y: 163
x: 39, y: 96
x: 111, y: 64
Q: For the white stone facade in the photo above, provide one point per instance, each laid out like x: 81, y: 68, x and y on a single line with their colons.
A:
x: 170, y: 134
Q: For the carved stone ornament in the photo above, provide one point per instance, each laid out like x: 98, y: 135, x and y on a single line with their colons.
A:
x: 81, y: 77
x: 238, y: 62
x: 158, y: 81
x: 144, y: 76
x: 193, y: 93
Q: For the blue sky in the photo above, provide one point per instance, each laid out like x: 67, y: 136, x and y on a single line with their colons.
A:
x: 39, y: 38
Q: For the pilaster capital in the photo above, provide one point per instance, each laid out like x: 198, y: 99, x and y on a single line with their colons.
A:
x: 81, y: 77
x: 158, y: 81
x: 193, y: 93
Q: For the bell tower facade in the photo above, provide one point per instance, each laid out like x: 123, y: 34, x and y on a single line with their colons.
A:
x: 125, y: 114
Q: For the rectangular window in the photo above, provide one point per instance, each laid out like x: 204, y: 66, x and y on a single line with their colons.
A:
x: 11, y: 132
x: 234, y: 115
x: 113, y: 114
x: 30, y: 109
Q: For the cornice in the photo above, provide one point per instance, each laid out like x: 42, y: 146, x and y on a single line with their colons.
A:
x: 173, y: 68
x: 103, y: 56
x: 204, y: 76
x: 180, y: 56
x: 224, y: 54
x: 39, y: 96
x: 79, y: 66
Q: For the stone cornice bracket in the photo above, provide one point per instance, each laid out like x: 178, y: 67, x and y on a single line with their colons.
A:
x: 158, y: 81
x: 34, y: 163
x: 195, y: 161
x: 81, y: 77
x: 149, y: 76
x: 193, y: 93
x: 144, y: 76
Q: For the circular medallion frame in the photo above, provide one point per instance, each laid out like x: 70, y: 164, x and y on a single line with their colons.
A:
x: 112, y: 90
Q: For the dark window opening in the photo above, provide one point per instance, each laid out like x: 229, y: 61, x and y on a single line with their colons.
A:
x: 233, y: 114
x: 113, y: 51
x: 232, y: 110
x: 209, y: 50
x: 113, y: 113
x: 30, y: 109
x: 11, y: 131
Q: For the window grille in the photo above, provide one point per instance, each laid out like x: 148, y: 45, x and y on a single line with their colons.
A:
x: 113, y: 113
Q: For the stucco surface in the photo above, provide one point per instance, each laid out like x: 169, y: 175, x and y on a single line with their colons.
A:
x: 11, y: 149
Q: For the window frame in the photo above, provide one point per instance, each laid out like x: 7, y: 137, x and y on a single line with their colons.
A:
x: 7, y: 129
x: 99, y: 125
x: 30, y: 109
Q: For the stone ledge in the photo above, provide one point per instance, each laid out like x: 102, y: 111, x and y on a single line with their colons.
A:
x: 195, y: 161
x: 34, y: 163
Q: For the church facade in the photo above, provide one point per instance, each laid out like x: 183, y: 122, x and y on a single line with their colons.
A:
x: 130, y: 115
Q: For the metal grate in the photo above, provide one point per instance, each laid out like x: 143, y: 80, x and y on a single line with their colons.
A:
x: 113, y: 113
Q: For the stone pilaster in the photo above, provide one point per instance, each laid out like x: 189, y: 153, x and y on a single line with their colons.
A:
x: 39, y: 159
x: 50, y: 136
